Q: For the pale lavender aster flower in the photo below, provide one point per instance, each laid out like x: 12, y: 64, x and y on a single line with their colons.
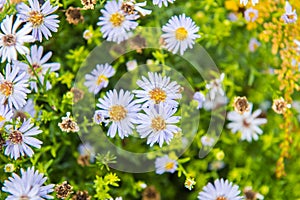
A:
x: 39, y: 63
x: 120, y: 111
x: 180, y: 34
x: 158, y: 124
x: 251, y: 14
x: 165, y: 164
x: 200, y: 98
x: 222, y: 189
x: 29, y: 186
x: 20, y: 139
x: 98, y: 78
x: 39, y: 17
x: 13, y: 87
x: 116, y: 25
x: 290, y: 15
x: 11, y: 40
x: 253, y: 44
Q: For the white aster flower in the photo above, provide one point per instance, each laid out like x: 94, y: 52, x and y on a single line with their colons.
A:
x: 98, y: 78
x: 253, y: 44
x: 11, y: 40
x: 158, y: 89
x: 13, y: 89
x: 221, y: 190
x: 247, y: 123
x: 87, y: 34
x: 130, y: 6
x: 290, y: 15
x: 216, y: 165
x: 131, y: 65
x: 39, y: 63
x: 161, y: 2
x: 116, y: 25
x: 98, y: 117
x: 200, y: 98
x: 211, y: 104
x: 120, y: 111
x: 165, y: 164
x: 158, y: 124
x: 28, y: 186
x: 251, y: 14
x: 297, y: 42
x: 9, y: 168
x: 180, y: 33
x: 215, y: 87
x: 207, y: 141
x: 21, y: 138
x: 39, y: 17
x: 245, y: 2
x: 5, y: 114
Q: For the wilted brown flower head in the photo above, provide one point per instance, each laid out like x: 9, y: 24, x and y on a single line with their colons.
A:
x: 83, y: 160
x: 88, y: 4
x: 250, y: 194
x: 63, y: 190
x: 137, y: 43
x: 74, y: 15
x: 280, y: 105
x: 81, y: 195
x: 150, y: 193
x: 68, y: 124
x: 128, y: 7
x: 77, y: 94
x: 241, y: 104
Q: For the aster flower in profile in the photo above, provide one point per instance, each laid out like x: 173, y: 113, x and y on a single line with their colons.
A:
x: 251, y: 14
x: 162, y: 2
x: 29, y: 186
x: 116, y: 25
x: 165, y: 164
x: 253, y: 44
x: 157, y: 89
x: 20, y: 138
x: 11, y: 40
x: 158, y: 124
x: 215, y: 87
x: 179, y: 34
x: 13, y: 87
x: 221, y: 190
x: 245, y: 2
x: 290, y: 15
x: 120, y: 112
x: 5, y: 114
x: 39, y: 63
x: 247, y: 123
x: 98, y: 78
x: 2, y: 4
x: 39, y: 17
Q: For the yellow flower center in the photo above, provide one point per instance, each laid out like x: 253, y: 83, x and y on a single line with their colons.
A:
x: 2, y: 118
x: 117, y: 113
x: 6, y: 88
x: 169, y: 166
x: 9, y: 40
x: 181, y: 34
x: 158, y: 95
x: 117, y: 19
x: 36, y: 18
x: 290, y: 16
x: 251, y: 15
x: 221, y: 198
x: 101, y: 79
x: 37, y: 68
x: 158, y: 124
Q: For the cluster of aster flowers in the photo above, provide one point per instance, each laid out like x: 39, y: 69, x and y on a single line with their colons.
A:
x: 119, y: 20
x: 151, y: 109
x: 25, y: 72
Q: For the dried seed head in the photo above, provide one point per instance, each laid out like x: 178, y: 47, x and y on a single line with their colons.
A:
x: 74, y: 15
x: 63, y: 190
x: 77, y: 94
x: 88, y: 4
x: 83, y: 160
x: 150, y: 193
x: 241, y: 104
x: 280, y: 105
